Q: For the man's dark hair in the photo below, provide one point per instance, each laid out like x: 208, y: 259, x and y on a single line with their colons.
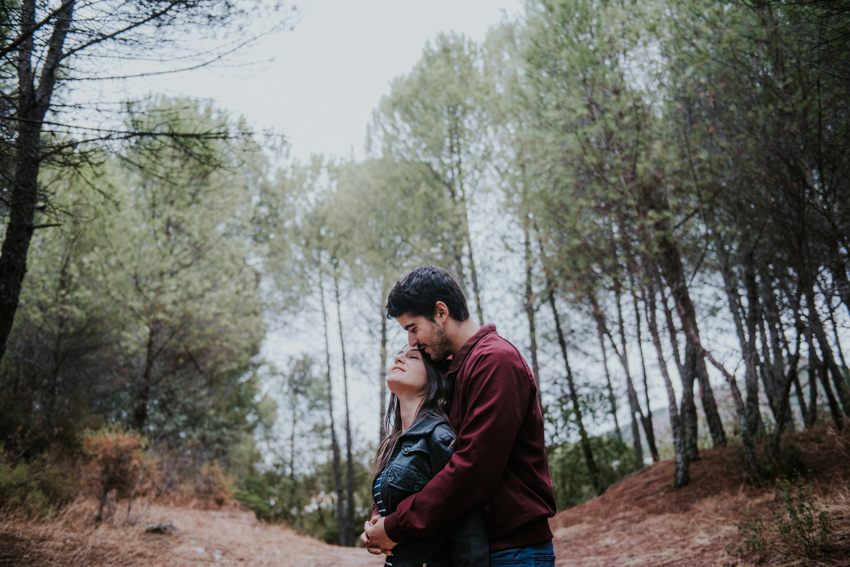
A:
x: 419, y: 291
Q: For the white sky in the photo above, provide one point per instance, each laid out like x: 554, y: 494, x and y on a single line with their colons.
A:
x: 331, y: 71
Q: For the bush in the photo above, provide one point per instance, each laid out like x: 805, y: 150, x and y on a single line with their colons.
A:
x: 37, y: 489
x: 213, y: 485
x: 571, y: 479
x: 798, y: 526
x: 116, y: 460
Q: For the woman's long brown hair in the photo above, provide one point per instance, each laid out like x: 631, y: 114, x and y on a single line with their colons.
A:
x: 436, y: 401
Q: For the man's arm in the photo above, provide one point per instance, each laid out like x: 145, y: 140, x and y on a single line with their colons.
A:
x: 497, y: 399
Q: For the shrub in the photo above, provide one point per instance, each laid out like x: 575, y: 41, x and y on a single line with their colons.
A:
x: 116, y: 459
x: 36, y: 489
x: 798, y: 526
x: 213, y: 485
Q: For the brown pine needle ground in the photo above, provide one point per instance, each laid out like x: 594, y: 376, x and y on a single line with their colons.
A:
x: 638, y: 522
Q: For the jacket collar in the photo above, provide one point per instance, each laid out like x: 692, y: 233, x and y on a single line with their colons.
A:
x: 424, y: 426
x: 457, y: 361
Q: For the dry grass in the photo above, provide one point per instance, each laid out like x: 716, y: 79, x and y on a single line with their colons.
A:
x: 638, y: 522
x: 206, y: 537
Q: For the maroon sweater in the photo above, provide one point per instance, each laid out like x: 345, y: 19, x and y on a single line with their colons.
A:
x: 500, y: 460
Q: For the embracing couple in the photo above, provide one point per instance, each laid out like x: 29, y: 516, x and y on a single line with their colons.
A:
x: 462, y: 477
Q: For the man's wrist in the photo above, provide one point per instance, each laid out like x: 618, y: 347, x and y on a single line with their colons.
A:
x: 393, y: 529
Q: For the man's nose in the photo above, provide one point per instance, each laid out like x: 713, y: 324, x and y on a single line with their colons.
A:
x: 411, y: 340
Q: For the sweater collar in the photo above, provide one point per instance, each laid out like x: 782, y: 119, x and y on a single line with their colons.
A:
x: 457, y: 361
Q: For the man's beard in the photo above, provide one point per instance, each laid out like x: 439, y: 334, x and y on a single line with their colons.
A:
x: 441, y: 346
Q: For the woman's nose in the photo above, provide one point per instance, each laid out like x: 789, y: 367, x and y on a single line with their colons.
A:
x: 399, y: 358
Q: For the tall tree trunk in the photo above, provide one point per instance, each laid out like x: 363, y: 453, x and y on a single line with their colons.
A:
x: 530, y: 308
x: 634, y: 405
x: 670, y: 263
x: 33, y: 102
x: 140, y: 407
x: 830, y: 311
x: 681, y: 474
x: 813, y: 370
x: 647, y: 420
x: 583, y: 438
x: 349, y: 459
x: 382, y: 376
x: 784, y: 405
x: 460, y: 196
x: 612, y: 399
x: 746, y: 336
x: 689, y: 407
x: 337, y: 465
x: 826, y: 355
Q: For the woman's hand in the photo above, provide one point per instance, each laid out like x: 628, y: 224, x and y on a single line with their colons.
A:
x: 375, y: 538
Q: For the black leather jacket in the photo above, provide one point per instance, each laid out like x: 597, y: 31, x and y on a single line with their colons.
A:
x: 420, y: 453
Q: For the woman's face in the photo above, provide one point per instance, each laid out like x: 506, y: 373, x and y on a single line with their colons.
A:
x: 407, y: 375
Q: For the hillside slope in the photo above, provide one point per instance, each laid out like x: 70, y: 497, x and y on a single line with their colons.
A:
x: 638, y: 522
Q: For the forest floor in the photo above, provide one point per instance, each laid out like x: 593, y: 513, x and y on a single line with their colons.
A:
x: 639, y: 522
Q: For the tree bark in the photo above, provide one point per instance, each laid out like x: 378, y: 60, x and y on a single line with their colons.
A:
x: 584, y: 441
x: 382, y: 376
x: 349, y: 459
x: 681, y: 474
x: 33, y: 103
x: 647, y: 420
x: 530, y: 308
x: 634, y: 405
x: 337, y: 465
x: 612, y: 399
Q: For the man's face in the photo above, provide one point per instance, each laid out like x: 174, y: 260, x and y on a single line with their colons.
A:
x: 428, y: 336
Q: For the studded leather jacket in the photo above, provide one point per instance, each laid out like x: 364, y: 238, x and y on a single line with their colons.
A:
x: 420, y: 453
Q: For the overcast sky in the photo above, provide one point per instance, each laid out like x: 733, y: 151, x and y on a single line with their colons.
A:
x: 332, y: 69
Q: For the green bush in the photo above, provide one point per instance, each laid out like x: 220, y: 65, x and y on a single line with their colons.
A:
x: 570, y: 478
x: 37, y: 489
x: 798, y: 527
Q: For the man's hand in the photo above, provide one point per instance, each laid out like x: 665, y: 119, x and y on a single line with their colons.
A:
x: 375, y: 538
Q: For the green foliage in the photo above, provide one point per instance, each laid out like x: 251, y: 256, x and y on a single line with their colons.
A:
x: 142, y: 308
x: 570, y: 478
x: 306, y: 502
x: 799, y: 526
x: 37, y: 489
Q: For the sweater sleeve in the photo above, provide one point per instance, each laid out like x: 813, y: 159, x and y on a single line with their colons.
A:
x: 497, y: 393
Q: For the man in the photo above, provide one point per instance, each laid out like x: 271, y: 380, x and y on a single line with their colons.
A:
x: 500, y: 460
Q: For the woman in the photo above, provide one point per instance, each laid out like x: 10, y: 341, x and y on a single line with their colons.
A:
x: 419, y: 443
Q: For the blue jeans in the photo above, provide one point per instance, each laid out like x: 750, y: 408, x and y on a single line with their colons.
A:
x: 538, y: 555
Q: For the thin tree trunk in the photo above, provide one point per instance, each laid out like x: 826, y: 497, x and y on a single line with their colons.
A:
x: 647, y: 420
x: 382, y: 376
x: 826, y: 355
x: 634, y: 406
x: 530, y: 299
x: 813, y: 371
x: 140, y: 408
x: 831, y: 316
x: 461, y: 197
x: 612, y: 399
x: 681, y: 474
x: 583, y: 438
x: 337, y: 465
x: 349, y: 459
x: 784, y: 401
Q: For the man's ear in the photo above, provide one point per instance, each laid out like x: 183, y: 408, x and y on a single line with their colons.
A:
x: 441, y: 312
